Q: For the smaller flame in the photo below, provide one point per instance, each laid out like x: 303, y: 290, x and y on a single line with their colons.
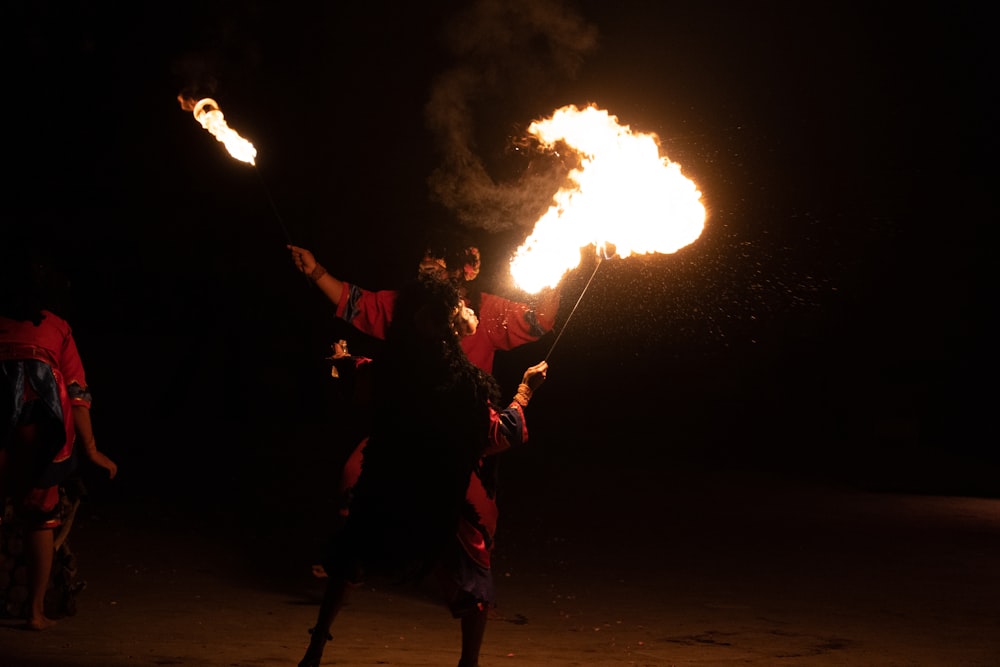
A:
x: 206, y: 111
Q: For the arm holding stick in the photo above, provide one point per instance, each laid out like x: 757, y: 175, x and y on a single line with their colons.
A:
x: 533, y: 378
x: 307, y: 264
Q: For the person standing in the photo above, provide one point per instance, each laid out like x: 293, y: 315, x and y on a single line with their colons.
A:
x: 502, y: 324
x: 44, y: 416
x: 436, y: 418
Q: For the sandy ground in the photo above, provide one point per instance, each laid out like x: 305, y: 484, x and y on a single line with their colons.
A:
x: 649, y: 568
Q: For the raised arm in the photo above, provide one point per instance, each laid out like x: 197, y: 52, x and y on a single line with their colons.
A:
x: 307, y: 264
x: 507, y: 426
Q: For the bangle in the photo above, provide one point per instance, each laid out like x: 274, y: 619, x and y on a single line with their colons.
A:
x: 523, y: 395
x: 317, y: 273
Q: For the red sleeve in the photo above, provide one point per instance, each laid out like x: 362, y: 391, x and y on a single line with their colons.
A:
x: 508, y: 324
x: 60, y: 341
x: 369, y: 312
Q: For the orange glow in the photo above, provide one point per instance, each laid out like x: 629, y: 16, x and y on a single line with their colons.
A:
x: 624, y: 198
x: 206, y: 111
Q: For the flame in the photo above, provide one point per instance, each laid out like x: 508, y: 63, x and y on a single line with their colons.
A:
x: 624, y: 194
x: 206, y: 111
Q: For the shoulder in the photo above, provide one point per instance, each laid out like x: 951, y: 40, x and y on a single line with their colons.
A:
x: 54, y: 327
x: 50, y: 319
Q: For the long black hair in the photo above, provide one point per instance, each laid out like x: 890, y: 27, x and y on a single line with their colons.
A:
x: 430, y: 427
x: 423, y: 350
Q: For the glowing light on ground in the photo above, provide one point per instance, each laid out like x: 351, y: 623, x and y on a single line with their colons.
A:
x: 624, y: 198
x: 206, y: 111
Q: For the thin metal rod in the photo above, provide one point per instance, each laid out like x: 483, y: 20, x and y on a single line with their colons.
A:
x: 274, y: 208
x: 561, y: 331
x: 281, y: 223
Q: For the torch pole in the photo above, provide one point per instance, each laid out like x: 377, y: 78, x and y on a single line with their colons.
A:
x: 561, y: 331
x: 281, y: 223
x: 270, y: 200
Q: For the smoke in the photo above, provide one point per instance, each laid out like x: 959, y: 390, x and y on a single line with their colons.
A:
x: 506, y: 51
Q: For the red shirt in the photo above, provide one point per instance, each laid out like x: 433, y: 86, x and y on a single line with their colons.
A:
x: 503, y: 324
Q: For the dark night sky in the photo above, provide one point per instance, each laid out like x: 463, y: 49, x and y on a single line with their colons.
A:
x: 831, y: 314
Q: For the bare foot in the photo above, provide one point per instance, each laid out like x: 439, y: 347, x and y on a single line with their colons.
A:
x: 43, y: 623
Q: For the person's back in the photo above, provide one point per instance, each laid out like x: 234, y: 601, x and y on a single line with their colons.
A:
x: 39, y: 362
x: 44, y: 411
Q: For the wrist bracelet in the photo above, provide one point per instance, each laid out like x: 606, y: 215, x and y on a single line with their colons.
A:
x: 317, y: 273
x: 523, y: 395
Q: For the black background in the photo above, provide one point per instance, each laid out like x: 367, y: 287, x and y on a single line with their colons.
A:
x: 831, y: 319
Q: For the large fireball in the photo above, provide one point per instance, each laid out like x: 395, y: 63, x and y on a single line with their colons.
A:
x: 623, y: 195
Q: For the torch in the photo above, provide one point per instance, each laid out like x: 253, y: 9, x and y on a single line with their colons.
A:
x: 623, y: 194
x: 207, y: 112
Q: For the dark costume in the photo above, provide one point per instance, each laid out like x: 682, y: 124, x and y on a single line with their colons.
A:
x: 503, y: 325
x: 421, y: 500
x: 468, y: 559
x: 419, y: 492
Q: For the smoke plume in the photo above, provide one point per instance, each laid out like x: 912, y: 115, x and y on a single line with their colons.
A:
x: 506, y: 51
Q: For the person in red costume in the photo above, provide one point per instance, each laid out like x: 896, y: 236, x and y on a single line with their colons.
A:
x: 44, y: 414
x: 437, y: 420
x: 503, y: 324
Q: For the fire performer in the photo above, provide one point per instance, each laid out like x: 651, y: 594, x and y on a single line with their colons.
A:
x: 508, y: 324
x: 415, y: 506
x: 44, y: 410
x: 502, y: 325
